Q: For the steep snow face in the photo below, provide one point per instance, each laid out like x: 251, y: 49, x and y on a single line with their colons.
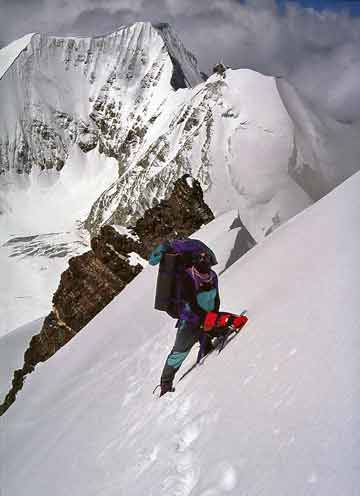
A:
x: 10, y: 53
x: 49, y: 92
x: 326, y: 146
x: 12, y: 348
x: 276, y: 413
x: 232, y: 134
x: 186, y: 71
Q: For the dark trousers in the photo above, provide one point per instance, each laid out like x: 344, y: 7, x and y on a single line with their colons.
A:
x: 186, y: 337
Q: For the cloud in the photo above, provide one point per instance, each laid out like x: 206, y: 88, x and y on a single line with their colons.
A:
x: 99, y: 20
x: 21, y: 3
x: 19, y: 17
x: 316, y: 51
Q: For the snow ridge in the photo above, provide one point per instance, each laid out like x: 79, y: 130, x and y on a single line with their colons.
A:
x: 11, y: 52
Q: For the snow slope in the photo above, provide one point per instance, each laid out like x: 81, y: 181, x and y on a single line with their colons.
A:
x: 12, y: 347
x: 278, y: 413
x: 9, y: 53
x: 326, y: 145
x: 41, y: 229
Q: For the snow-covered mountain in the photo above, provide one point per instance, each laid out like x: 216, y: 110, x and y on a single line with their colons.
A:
x: 49, y: 91
x: 232, y: 134
x: 52, y: 168
x: 326, y: 146
x: 97, y: 130
x: 117, y: 95
x: 277, y: 413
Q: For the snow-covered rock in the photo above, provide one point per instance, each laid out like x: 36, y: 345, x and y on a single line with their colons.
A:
x: 58, y: 89
x: 67, y: 106
x: 232, y: 134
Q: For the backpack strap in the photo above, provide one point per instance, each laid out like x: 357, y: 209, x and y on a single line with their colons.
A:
x: 198, y: 280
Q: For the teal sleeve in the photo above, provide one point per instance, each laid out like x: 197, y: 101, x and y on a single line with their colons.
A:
x: 156, y: 255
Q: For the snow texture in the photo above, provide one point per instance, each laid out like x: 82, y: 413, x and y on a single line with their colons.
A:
x: 12, y: 347
x: 10, y: 53
x: 42, y: 229
x: 135, y: 259
x: 277, y: 413
x: 124, y: 231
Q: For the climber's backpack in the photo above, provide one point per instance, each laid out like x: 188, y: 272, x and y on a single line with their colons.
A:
x: 174, y: 257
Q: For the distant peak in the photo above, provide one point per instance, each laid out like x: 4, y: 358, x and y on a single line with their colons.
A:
x: 162, y: 25
x: 186, y: 71
x: 11, y: 52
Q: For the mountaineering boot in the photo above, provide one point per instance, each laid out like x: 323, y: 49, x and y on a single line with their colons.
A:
x: 208, y: 347
x: 166, y: 388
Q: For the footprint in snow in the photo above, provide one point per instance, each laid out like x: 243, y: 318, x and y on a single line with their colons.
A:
x: 193, y: 429
x: 188, y: 436
x: 147, y: 459
x: 131, y: 394
x: 185, y: 469
x: 183, y: 479
x: 224, y: 479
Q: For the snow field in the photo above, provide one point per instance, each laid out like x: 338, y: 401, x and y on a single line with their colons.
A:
x: 276, y: 414
x: 48, y: 202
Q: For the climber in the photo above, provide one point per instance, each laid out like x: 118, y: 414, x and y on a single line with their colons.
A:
x: 198, y: 294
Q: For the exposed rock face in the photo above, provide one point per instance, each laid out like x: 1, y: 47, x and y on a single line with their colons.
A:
x: 220, y: 68
x: 94, y: 278
x: 106, y: 83
x: 178, y: 216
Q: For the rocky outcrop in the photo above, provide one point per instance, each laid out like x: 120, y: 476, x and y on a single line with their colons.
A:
x: 183, y: 213
x: 220, y: 68
x: 94, y: 278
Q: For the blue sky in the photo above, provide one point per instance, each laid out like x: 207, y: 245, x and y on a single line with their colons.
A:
x: 352, y: 5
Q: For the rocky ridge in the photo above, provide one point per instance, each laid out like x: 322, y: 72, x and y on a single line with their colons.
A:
x: 94, y: 278
x: 137, y: 96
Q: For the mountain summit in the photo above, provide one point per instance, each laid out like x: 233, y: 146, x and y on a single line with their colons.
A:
x: 59, y: 82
